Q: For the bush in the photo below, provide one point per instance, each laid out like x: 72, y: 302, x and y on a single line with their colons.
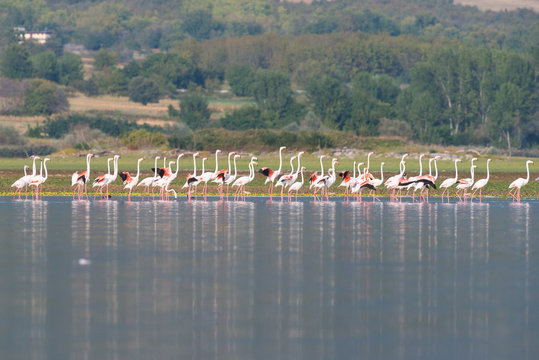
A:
x: 10, y: 136
x: 194, y: 111
x: 143, y: 138
x: 394, y: 127
x: 105, y: 58
x: 143, y: 90
x: 44, y: 98
x: 25, y: 151
x: 247, y: 117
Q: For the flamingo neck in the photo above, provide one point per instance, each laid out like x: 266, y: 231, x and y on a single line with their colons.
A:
x: 235, y: 168
x: 527, y: 172
x: 155, y: 169
x: 382, y: 172
x: 138, y: 168
x: 430, y: 167
x: 456, y: 170
x: 301, y: 176
x: 115, y: 167
x: 216, y: 163
x: 280, y: 160
x: 46, y: 173
x: 435, y: 170
x: 194, y: 166
x: 203, y: 161
x: 251, y: 171
x: 34, y: 167
x: 322, y: 166
x: 369, y: 161
x: 88, y: 158
x: 299, y: 165
x: 41, y: 169
x: 421, y: 166
x: 354, y: 170
x: 488, y: 172
x: 108, y: 165
x: 229, y: 168
x: 177, y: 165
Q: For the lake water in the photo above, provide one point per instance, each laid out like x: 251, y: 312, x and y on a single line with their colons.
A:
x: 253, y: 280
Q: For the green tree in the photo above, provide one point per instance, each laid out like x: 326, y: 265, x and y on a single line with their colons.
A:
x: 505, y: 117
x: 194, y: 111
x: 143, y: 90
x: 43, y: 97
x: 15, y: 62
x: 240, y: 78
x: 46, y: 65
x: 271, y: 90
x: 170, y: 70
x: 330, y: 100
x: 71, y: 69
x: 246, y: 117
x: 105, y: 58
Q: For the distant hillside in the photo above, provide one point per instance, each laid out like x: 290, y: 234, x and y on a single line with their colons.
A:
x: 498, y: 5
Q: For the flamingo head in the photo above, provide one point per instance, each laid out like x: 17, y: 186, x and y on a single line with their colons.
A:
x: 303, y: 168
x: 46, y: 159
x: 26, y: 166
x: 181, y: 155
x: 237, y: 156
x: 116, y: 156
x: 157, y: 157
x: 458, y: 160
x: 371, y: 153
x: 301, y: 153
x: 231, y: 153
x: 196, y: 154
x: 489, y: 160
x: 89, y: 156
x: 529, y: 162
x: 293, y: 157
x: 403, y: 156
x: 474, y: 159
x: 217, y: 151
x: 282, y: 148
x: 140, y: 159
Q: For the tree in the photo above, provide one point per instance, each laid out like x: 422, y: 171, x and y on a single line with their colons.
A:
x: 171, y: 70
x: 246, y: 117
x: 271, y: 90
x: 105, y: 58
x: 330, y: 100
x: 194, y: 111
x: 46, y: 65
x: 44, y: 98
x: 505, y: 115
x: 240, y: 78
x: 143, y: 90
x: 71, y: 69
x: 15, y: 62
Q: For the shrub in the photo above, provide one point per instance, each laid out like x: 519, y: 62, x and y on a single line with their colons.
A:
x: 25, y: 151
x: 246, y: 117
x: 44, y: 98
x: 143, y: 90
x: 10, y: 136
x: 394, y: 127
x: 194, y: 111
x: 143, y: 138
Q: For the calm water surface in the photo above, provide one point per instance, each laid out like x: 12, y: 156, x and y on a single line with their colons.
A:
x: 255, y: 280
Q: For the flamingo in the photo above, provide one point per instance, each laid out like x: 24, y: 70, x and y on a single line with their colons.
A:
x: 362, y: 182
x: 163, y: 182
x: 288, y: 180
x: 450, y: 182
x: 297, y: 185
x: 414, y: 185
x: 466, y: 183
x: 519, y: 183
x: 480, y: 184
x: 314, y: 180
x: 229, y: 179
x: 81, y: 179
x: 38, y: 180
x: 99, y: 181
x: 244, y: 180
x: 393, y: 182
x: 207, y: 176
x: 347, y: 180
x: 282, y: 181
x: 377, y: 182
x: 222, y: 175
x: 21, y: 183
x: 192, y: 179
x: 272, y: 175
x: 147, y: 182
x: 331, y: 178
x: 367, y: 174
x: 131, y: 182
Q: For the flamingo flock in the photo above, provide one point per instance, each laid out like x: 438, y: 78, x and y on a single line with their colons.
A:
x: 354, y: 183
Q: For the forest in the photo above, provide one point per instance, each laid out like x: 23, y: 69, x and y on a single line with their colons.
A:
x: 430, y: 71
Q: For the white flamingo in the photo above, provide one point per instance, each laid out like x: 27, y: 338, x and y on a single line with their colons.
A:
x: 447, y: 183
x: 271, y: 175
x: 131, y: 182
x: 519, y: 183
x: 466, y: 183
x: 147, y: 182
x: 22, y: 183
x: 297, y: 185
x: 244, y: 180
x: 480, y: 184
x: 81, y: 179
x: 38, y: 180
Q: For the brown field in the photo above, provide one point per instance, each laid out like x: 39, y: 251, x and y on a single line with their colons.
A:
x: 500, y: 5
